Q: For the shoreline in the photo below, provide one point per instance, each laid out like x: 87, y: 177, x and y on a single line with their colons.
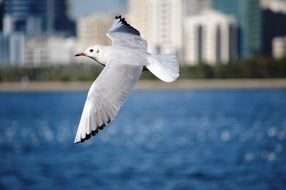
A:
x: 148, y: 84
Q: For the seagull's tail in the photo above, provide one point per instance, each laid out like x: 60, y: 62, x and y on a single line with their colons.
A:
x: 165, y: 67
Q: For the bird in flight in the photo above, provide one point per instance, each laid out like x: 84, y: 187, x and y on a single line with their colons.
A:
x: 123, y: 63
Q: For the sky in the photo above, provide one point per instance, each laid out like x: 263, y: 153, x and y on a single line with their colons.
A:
x: 85, y: 7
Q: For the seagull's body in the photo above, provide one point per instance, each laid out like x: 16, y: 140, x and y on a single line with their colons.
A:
x: 124, y: 62
x: 121, y: 52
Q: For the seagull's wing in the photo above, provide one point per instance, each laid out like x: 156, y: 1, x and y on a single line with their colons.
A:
x: 122, y: 34
x: 105, y: 97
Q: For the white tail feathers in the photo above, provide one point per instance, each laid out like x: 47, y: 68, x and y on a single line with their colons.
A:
x: 165, y: 67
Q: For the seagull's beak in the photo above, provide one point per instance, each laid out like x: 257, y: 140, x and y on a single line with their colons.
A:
x: 80, y: 54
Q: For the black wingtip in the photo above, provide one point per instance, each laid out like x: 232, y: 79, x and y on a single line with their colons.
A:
x: 123, y: 21
x: 118, y: 17
x: 93, y: 133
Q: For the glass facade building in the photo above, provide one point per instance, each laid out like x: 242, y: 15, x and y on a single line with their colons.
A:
x: 37, y: 16
x: 249, y: 18
x: 1, y: 14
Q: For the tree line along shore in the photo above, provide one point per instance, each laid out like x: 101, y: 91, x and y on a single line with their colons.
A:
x: 258, y: 68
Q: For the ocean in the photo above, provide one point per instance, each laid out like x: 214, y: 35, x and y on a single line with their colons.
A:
x: 161, y: 139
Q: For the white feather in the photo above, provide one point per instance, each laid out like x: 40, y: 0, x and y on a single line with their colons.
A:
x: 165, y: 67
x: 105, y: 97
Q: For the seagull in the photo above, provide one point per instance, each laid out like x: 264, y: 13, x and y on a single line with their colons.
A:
x: 123, y: 63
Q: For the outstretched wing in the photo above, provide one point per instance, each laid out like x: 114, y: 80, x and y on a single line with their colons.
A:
x: 122, y: 34
x: 105, y: 97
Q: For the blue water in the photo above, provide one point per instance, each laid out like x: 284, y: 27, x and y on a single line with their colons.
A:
x: 169, y: 139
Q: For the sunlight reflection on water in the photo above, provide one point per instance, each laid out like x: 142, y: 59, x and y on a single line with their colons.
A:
x: 160, y: 140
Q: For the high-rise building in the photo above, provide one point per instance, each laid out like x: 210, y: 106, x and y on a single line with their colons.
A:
x: 4, y: 50
x: 279, y: 47
x: 12, y: 49
x: 210, y: 37
x: 92, y: 29
x: 274, y: 17
x: 61, y: 21
x: 139, y: 15
x: 37, y: 17
x: 193, y: 7
x: 248, y: 15
x: 167, y: 26
x: 1, y: 14
x: 160, y: 22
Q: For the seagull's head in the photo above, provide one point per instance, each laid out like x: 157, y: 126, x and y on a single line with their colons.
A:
x: 93, y: 52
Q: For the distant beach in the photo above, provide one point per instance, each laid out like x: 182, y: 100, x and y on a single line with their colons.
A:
x: 148, y: 84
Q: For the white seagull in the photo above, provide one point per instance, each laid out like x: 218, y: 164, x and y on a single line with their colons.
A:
x: 124, y: 62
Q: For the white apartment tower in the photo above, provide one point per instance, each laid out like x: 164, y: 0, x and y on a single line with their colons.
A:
x: 160, y: 22
x: 140, y: 17
x: 167, y: 26
x: 194, y: 7
x: 210, y: 37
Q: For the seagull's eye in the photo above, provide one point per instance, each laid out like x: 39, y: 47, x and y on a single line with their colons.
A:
x: 91, y: 50
x: 97, y: 51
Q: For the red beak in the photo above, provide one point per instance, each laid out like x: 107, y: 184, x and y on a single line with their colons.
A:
x: 80, y: 54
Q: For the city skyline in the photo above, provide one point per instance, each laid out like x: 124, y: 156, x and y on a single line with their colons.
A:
x: 234, y: 29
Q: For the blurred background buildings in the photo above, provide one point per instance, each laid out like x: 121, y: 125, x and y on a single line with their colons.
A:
x: 210, y: 37
x: 33, y: 17
x: 248, y: 16
x: 27, y: 26
x: 40, y: 32
x: 92, y: 29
